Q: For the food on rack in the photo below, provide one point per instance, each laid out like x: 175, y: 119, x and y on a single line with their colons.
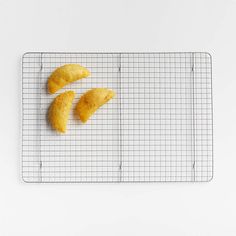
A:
x: 59, y: 110
x: 91, y: 101
x: 65, y: 75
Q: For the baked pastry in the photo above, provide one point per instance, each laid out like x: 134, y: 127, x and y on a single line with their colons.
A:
x: 65, y: 75
x: 59, y: 110
x: 91, y: 101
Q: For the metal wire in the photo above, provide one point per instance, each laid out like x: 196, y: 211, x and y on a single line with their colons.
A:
x: 157, y: 128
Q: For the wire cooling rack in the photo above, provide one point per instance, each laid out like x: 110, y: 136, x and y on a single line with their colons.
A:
x: 158, y: 128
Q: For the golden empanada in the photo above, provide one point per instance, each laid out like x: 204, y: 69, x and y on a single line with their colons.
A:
x: 91, y: 101
x: 59, y: 110
x: 65, y: 75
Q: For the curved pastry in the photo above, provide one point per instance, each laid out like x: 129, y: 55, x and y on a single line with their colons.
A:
x: 91, y: 101
x: 59, y: 110
x: 65, y: 75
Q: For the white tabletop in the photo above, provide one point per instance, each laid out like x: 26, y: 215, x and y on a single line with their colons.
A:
x: 178, y: 209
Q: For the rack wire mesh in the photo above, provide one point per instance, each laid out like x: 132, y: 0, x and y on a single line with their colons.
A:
x: 158, y: 128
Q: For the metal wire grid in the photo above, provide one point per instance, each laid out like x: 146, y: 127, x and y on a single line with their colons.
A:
x: 157, y: 128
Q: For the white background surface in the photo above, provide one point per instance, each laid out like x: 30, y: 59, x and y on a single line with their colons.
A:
x: 118, y: 209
